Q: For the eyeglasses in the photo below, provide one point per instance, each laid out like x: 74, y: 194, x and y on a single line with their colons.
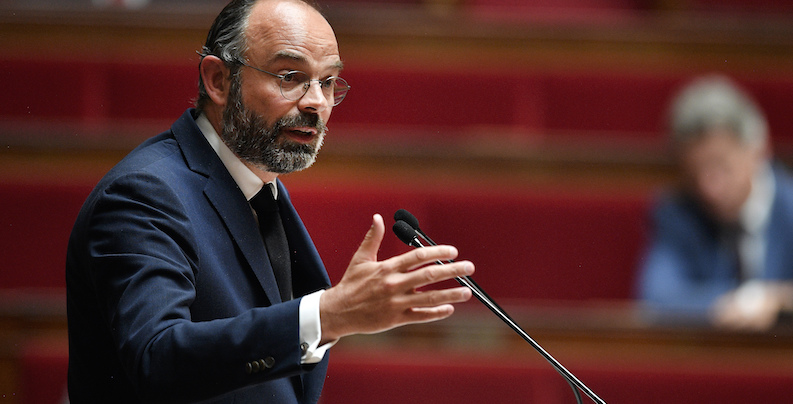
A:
x: 295, y: 84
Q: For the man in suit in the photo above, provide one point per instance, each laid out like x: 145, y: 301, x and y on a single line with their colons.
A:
x: 172, y: 294
x: 720, y: 248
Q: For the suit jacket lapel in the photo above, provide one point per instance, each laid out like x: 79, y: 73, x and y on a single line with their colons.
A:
x: 227, y: 199
x: 308, y: 271
x: 236, y: 214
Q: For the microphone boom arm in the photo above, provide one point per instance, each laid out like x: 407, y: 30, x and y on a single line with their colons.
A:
x: 403, y: 229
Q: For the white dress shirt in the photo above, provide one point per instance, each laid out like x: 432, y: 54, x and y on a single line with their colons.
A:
x: 754, y: 218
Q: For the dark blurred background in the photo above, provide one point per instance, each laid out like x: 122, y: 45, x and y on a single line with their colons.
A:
x: 527, y: 133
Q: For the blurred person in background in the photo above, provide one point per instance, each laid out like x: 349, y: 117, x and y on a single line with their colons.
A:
x: 721, y: 248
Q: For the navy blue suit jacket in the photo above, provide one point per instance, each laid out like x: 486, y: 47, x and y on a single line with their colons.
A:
x: 170, y: 292
x: 687, y: 267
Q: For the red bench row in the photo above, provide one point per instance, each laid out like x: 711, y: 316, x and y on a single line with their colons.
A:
x: 449, y: 104
x: 404, y: 377
x: 432, y: 377
x: 527, y: 246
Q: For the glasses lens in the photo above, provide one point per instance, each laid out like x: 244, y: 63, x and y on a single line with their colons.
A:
x: 340, y: 90
x: 294, y: 84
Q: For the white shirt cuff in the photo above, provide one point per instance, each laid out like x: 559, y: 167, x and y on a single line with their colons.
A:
x: 311, y: 330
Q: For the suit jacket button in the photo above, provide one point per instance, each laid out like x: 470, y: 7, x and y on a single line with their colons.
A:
x: 255, y: 366
x: 248, y: 368
x: 268, y: 362
x: 304, y: 348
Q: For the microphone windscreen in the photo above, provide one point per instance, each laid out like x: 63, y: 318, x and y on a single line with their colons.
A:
x: 404, y: 232
x: 406, y: 217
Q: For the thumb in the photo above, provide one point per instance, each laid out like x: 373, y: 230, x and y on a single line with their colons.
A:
x: 367, y: 251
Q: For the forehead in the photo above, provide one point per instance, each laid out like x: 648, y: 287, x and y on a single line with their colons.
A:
x: 286, y: 29
x: 717, y: 146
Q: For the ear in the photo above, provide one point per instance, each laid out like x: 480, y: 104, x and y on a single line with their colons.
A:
x: 215, y: 75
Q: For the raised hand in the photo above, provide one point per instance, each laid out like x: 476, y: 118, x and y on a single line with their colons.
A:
x: 375, y: 296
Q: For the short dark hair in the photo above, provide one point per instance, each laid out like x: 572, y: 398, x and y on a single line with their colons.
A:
x: 226, y: 40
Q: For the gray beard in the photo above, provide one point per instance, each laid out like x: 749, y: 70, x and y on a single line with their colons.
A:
x: 249, y: 137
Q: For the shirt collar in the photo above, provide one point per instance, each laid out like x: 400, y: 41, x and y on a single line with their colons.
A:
x: 757, y: 209
x: 249, y: 183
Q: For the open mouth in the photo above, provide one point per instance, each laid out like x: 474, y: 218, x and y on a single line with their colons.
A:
x: 303, y: 135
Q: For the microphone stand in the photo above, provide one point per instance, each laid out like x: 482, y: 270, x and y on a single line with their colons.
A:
x: 466, y: 281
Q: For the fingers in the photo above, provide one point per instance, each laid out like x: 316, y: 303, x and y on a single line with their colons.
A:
x: 375, y: 296
x: 420, y: 257
x: 437, y: 273
x: 409, y: 261
x: 425, y: 306
x: 739, y: 310
x: 427, y: 314
x: 436, y: 298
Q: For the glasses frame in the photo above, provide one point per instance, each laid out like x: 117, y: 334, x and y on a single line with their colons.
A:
x: 346, y: 87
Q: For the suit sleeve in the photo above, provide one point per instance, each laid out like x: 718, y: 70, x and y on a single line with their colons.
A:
x: 144, y: 264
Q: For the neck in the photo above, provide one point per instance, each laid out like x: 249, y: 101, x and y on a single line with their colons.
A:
x: 215, y: 116
x: 264, y: 175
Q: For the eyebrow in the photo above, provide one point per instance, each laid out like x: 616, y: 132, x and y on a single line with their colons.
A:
x: 288, y: 55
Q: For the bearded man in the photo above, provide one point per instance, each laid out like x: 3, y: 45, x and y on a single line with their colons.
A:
x: 190, y: 276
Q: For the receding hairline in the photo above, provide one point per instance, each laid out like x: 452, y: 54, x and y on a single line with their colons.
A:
x: 285, y: 54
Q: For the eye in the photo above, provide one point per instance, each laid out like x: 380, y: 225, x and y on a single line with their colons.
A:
x: 292, y: 76
x: 329, y: 82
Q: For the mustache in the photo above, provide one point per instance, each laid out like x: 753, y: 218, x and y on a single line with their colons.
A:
x: 302, y: 119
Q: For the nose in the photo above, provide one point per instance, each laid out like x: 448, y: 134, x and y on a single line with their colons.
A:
x: 314, y: 99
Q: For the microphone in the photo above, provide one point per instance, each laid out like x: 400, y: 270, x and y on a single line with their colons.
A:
x: 411, y: 220
x: 410, y: 236
x: 406, y: 233
x: 408, y: 218
x: 411, y: 228
x: 406, y: 228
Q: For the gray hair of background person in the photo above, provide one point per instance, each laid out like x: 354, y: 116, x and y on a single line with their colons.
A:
x: 716, y: 102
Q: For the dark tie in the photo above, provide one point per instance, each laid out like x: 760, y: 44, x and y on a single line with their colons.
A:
x: 732, y: 235
x: 272, y: 230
